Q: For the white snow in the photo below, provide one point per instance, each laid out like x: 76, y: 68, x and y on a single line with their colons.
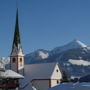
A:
x: 1, y: 65
x: 43, y: 55
x: 62, y: 87
x: 4, y: 61
x: 80, y: 43
x: 70, y: 86
x: 73, y: 77
x: 72, y: 45
x: 17, y: 50
x: 79, y: 62
x: 34, y: 88
x: 12, y: 74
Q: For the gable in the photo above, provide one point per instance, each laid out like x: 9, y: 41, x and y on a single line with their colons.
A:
x: 56, y: 73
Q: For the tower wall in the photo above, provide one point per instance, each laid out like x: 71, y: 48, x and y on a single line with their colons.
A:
x: 17, y: 64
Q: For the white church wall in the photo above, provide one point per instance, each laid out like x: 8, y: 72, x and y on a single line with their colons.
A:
x: 56, y: 73
x: 55, y: 82
x: 20, y: 63
x: 56, y: 76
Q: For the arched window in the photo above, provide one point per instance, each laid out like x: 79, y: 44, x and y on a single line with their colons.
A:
x: 20, y: 61
x: 57, y: 81
x: 14, y: 60
x: 57, y: 70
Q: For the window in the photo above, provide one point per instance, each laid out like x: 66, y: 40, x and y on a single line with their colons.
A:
x: 14, y: 60
x: 20, y: 61
x: 57, y: 81
x: 57, y: 70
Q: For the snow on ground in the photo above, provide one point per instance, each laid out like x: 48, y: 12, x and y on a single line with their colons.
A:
x: 70, y: 86
x: 62, y: 87
x: 79, y: 62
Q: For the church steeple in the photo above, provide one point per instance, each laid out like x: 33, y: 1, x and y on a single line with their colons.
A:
x: 16, y: 47
x: 16, y: 40
x: 17, y: 56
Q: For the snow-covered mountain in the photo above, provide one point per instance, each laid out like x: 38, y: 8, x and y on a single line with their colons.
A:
x: 37, y: 56
x: 42, y: 55
x: 70, y: 56
x: 72, y: 45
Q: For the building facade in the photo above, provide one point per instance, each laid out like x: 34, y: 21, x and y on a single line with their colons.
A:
x: 43, y: 76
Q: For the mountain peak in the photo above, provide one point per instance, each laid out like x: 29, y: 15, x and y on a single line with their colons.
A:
x: 77, y: 44
x: 72, y: 45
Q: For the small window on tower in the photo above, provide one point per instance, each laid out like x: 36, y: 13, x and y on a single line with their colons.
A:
x: 14, y: 60
x: 20, y: 61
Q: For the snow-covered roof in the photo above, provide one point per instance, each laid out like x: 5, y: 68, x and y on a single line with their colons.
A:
x: 38, y: 71
x: 29, y: 87
x: 10, y: 74
x: 17, y: 51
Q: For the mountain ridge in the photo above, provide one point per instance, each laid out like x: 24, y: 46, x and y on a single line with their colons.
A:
x: 75, y: 50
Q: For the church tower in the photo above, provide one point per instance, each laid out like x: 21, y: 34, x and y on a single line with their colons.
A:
x: 17, y: 56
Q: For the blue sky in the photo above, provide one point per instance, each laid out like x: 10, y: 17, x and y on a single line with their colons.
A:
x: 44, y: 24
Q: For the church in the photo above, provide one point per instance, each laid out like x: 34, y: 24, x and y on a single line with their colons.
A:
x: 40, y: 76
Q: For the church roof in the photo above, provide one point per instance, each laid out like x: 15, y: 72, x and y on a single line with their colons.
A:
x: 16, y: 40
x: 17, y: 48
x: 38, y: 71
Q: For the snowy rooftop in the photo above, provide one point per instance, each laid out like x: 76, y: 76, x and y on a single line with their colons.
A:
x: 10, y: 74
x: 38, y: 71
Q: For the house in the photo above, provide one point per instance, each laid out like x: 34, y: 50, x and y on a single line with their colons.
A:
x: 9, y: 79
x: 42, y: 76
